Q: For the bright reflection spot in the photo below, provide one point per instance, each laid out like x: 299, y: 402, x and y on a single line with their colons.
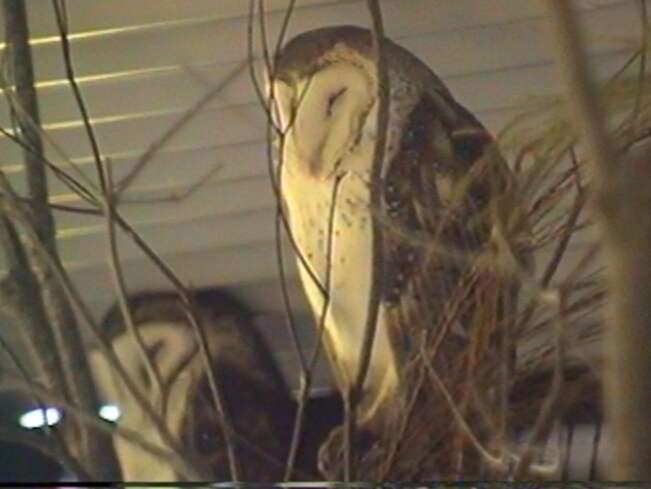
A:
x: 110, y: 412
x: 35, y: 419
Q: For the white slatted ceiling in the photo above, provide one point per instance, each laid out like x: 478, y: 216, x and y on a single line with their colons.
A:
x: 142, y: 64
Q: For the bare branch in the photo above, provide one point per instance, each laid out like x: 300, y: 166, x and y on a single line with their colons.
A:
x: 120, y: 287
x: 268, y: 105
x: 187, y: 116
x: 44, y: 261
x: 376, y: 202
x: 177, y: 196
x: 76, y: 382
x: 622, y: 201
x: 68, y: 180
x: 62, y: 25
x: 559, y: 252
x: 17, y: 37
x: 306, y: 379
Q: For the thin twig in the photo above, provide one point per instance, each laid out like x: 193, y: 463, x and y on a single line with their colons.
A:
x: 306, y: 368
x: 90, y: 186
x: 180, y: 195
x: 73, y: 184
x: 289, y: 10
x: 267, y: 104
x: 119, y: 285
x: 264, y: 42
x: 306, y: 380
x: 463, y: 424
x: 62, y: 25
x: 377, y: 245
x: 559, y: 252
x: 408, y: 416
x: 500, y: 464
x: 187, y: 116
x: 280, y: 225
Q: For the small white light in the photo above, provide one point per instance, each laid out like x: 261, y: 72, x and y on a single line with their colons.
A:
x: 110, y: 412
x: 35, y: 419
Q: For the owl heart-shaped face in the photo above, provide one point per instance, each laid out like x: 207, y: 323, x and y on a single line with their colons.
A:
x: 173, y: 350
x: 322, y: 116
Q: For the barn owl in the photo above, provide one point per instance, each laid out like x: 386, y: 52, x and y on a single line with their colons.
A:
x: 439, y: 175
x: 244, y: 368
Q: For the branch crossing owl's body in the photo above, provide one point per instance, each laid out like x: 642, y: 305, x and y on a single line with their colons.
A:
x: 333, y: 233
x: 325, y: 88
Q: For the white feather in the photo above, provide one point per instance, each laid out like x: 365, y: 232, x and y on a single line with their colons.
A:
x: 314, y: 145
x: 176, y: 346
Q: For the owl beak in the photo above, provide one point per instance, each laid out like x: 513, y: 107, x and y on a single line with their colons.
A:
x: 315, y: 168
x: 309, y: 156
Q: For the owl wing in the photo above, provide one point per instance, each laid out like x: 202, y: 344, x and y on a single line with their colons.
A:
x: 437, y: 222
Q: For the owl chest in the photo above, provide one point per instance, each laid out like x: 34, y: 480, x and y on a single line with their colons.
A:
x: 330, y: 222
x: 333, y: 231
